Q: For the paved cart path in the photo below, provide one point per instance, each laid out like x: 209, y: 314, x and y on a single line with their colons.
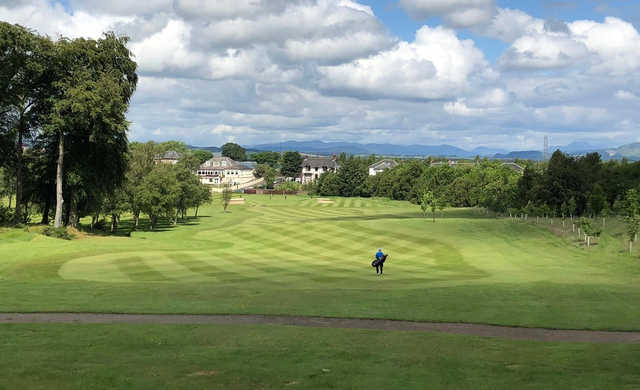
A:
x: 505, y: 332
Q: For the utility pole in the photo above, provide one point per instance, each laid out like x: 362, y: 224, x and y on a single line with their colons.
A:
x: 546, y: 148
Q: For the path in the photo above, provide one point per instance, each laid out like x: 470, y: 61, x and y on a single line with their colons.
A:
x: 505, y: 332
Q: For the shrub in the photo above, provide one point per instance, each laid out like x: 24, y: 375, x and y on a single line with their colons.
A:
x: 6, y: 215
x: 61, y: 233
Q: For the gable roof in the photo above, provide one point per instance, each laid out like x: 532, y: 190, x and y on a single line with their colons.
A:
x: 319, y: 162
x: 513, y: 166
x: 224, y: 163
x: 384, y: 164
x: 169, y: 155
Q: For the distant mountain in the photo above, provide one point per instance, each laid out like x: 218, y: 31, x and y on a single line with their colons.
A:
x: 524, y: 155
x: 327, y: 148
x: 629, y: 151
x: 485, y: 151
x: 212, y: 149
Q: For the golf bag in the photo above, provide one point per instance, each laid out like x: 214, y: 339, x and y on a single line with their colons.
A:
x: 379, y: 261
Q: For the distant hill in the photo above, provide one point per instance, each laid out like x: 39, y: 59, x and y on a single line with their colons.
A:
x: 524, y: 155
x: 630, y: 151
x: 327, y: 148
x: 212, y: 149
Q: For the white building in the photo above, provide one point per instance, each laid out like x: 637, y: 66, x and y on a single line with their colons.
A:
x: 381, y: 165
x: 170, y: 157
x: 223, y: 170
x: 313, y: 167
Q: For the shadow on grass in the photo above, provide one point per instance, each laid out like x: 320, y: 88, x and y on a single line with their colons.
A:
x: 126, y: 227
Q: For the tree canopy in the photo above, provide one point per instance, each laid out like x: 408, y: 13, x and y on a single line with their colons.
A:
x: 234, y: 151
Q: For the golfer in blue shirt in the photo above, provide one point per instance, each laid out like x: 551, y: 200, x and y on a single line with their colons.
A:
x: 380, y: 257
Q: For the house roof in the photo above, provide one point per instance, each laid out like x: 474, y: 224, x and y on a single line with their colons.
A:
x: 318, y: 162
x: 384, y: 164
x: 169, y: 155
x: 224, y: 163
x: 513, y: 166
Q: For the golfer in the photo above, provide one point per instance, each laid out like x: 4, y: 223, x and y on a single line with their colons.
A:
x: 380, y: 258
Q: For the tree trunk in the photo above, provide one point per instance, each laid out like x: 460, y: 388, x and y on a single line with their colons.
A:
x: 73, y: 213
x: 136, y: 219
x: 630, y: 247
x: 59, y: 200
x: 45, y: 211
x: 197, y: 207
x: 114, y: 223
x: 19, y: 179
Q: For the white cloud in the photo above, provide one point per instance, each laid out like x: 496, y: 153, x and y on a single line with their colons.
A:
x: 167, y: 50
x: 436, y: 65
x: 457, y: 13
x: 262, y: 70
x: 625, y: 95
x: 511, y: 24
x: 609, y: 47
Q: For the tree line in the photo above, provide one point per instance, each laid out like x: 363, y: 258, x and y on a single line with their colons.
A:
x: 63, y: 131
x: 565, y: 185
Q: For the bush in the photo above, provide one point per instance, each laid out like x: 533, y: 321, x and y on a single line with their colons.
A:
x: 6, y: 215
x: 61, y: 233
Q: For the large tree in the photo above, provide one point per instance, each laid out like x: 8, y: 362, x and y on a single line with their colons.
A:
x: 234, y: 151
x: 95, y: 80
x: 291, y: 164
x: 25, y: 85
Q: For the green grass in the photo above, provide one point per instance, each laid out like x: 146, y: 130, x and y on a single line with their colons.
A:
x: 264, y: 357
x: 296, y: 256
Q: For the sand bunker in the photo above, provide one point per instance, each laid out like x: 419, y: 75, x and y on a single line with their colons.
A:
x: 325, y: 201
x: 237, y: 201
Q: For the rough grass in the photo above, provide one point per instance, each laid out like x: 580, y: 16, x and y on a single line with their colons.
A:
x: 296, y: 256
x: 275, y: 357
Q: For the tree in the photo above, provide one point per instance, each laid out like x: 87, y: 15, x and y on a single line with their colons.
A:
x: 95, y: 80
x: 202, y: 155
x: 25, y: 85
x: 158, y: 193
x: 234, y: 151
x: 227, y: 193
x: 632, y: 203
x: 141, y: 164
x: 267, y: 173
x: 203, y: 197
x: 352, y: 174
x: 430, y: 201
x: 633, y: 227
x: 329, y: 184
x: 268, y: 158
x: 116, y: 204
x: 597, y: 200
x: 572, y: 207
x: 291, y: 164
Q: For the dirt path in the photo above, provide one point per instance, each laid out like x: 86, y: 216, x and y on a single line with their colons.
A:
x: 534, y: 334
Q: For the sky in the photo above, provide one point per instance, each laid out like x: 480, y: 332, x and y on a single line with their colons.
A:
x: 495, y: 73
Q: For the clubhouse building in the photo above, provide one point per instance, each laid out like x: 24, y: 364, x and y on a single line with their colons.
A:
x: 223, y: 170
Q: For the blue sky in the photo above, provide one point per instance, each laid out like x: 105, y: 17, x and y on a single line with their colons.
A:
x: 402, y: 25
x: 470, y: 73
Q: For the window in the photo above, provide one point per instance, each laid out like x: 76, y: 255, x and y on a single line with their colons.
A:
x: 210, y: 180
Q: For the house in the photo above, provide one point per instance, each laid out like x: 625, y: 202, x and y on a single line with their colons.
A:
x: 223, y: 170
x: 452, y: 163
x: 169, y: 157
x: 313, y: 167
x: 381, y: 165
x: 514, y: 166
